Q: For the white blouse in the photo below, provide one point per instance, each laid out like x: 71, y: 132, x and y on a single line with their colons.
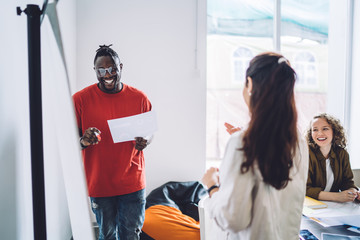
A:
x: 247, y: 208
x: 329, y: 176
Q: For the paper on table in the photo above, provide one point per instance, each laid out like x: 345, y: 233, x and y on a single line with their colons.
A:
x: 335, y: 209
x: 353, y: 220
x: 332, y: 236
x: 307, y: 211
x: 127, y: 128
x: 336, y: 214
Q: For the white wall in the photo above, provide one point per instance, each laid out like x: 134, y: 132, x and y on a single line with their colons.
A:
x: 355, y: 88
x: 338, y: 65
x: 15, y: 184
x: 15, y: 171
x: 337, y: 56
x: 156, y: 41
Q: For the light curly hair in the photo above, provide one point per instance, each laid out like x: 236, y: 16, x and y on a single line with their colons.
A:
x: 339, y: 138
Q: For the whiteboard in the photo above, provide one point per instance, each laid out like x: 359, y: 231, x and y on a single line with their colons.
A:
x: 61, y: 140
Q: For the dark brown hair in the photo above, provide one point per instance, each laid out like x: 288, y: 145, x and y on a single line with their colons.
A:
x: 271, y: 138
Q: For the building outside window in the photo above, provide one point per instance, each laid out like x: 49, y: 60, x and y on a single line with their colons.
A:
x: 239, y: 30
x: 306, y: 69
x: 241, y: 59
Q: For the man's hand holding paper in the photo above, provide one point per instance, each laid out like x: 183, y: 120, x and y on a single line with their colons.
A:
x: 135, y: 127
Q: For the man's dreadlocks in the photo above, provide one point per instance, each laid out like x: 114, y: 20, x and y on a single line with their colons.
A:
x: 105, y: 50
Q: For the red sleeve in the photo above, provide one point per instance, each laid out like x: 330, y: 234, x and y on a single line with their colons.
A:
x: 146, y: 105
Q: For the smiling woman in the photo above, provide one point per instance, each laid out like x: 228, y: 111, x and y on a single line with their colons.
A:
x: 330, y: 176
x: 322, y: 134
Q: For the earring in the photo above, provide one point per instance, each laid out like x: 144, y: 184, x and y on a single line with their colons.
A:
x: 249, y: 93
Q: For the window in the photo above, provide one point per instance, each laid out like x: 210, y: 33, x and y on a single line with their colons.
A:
x: 305, y: 66
x: 239, y: 30
x: 241, y: 59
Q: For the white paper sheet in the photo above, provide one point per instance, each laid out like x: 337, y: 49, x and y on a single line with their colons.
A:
x: 353, y: 220
x: 127, y: 128
x: 336, y: 214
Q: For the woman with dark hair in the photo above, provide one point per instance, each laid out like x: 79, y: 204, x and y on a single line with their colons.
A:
x: 260, y: 188
x: 330, y: 176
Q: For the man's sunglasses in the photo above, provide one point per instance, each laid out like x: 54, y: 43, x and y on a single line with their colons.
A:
x: 101, y: 72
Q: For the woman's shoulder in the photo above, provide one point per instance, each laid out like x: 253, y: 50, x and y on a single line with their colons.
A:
x: 233, y: 148
x: 314, y: 152
x: 236, y: 139
x: 340, y: 152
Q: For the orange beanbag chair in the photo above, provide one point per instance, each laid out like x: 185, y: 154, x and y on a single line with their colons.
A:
x: 172, y: 212
x: 165, y: 223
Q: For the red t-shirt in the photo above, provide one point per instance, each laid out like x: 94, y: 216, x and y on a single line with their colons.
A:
x: 111, y: 168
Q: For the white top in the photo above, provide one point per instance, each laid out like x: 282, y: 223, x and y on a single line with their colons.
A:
x: 247, y: 208
x: 329, y: 176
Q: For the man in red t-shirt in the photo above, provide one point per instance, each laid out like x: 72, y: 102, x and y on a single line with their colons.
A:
x: 115, y: 172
